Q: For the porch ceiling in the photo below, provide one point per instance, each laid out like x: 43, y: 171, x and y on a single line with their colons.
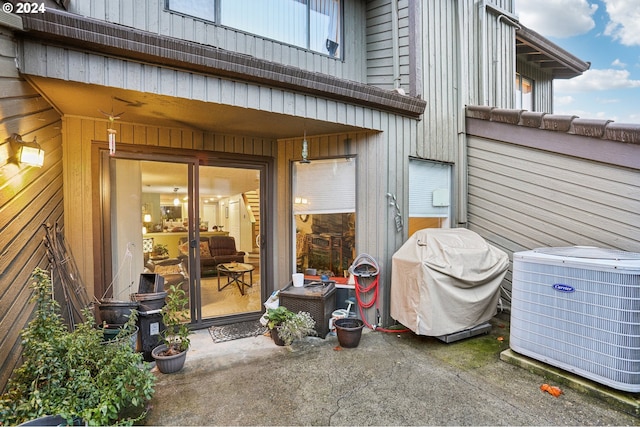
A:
x: 79, y: 99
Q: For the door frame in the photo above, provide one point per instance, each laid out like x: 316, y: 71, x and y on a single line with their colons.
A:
x: 102, y: 208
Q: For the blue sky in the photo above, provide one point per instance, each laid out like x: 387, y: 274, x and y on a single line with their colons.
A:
x: 605, y: 33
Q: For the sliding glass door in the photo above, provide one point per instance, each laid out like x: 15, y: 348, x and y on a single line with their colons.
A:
x: 195, y: 226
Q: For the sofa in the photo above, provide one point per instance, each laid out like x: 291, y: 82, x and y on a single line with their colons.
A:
x: 214, y: 250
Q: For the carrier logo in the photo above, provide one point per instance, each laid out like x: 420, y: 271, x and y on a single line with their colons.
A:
x: 563, y: 288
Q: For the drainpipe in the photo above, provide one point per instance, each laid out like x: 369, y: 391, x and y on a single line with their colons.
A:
x: 482, y: 18
x: 395, y: 33
x: 462, y: 99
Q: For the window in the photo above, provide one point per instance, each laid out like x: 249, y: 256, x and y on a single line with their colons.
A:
x: 429, y: 195
x: 312, y: 24
x: 524, y: 93
x: 324, y: 205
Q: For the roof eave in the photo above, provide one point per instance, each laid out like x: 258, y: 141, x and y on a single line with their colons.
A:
x: 71, y: 30
x: 563, y: 64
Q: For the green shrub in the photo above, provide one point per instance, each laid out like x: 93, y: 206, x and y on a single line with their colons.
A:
x: 74, y: 374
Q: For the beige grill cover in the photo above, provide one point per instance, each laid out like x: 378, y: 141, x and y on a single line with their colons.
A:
x: 445, y: 281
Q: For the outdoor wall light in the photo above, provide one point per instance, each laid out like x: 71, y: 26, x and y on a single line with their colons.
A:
x: 27, y: 153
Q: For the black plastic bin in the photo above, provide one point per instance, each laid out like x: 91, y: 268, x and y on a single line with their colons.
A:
x: 151, y: 325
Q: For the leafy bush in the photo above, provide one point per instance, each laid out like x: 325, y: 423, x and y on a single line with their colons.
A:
x: 296, y: 327
x: 73, y: 374
x: 174, y: 315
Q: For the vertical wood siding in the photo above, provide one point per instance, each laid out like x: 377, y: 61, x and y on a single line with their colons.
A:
x: 381, y: 165
x: 29, y: 197
x: 379, y: 44
x: 150, y: 15
x: 468, y: 59
x: 521, y: 198
x: 542, y: 86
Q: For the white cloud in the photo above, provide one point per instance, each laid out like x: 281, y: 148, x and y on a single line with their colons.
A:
x: 623, y: 26
x: 597, y: 80
x: 564, y: 100
x: 558, y: 18
x: 618, y: 63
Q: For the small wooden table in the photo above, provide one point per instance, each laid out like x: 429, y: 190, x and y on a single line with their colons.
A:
x: 235, y: 274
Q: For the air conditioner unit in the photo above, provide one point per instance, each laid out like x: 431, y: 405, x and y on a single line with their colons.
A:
x: 578, y: 308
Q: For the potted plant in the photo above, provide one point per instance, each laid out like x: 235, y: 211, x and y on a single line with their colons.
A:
x: 287, y: 326
x: 73, y: 375
x: 275, y: 317
x: 160, y: 251
x: 171, y: 354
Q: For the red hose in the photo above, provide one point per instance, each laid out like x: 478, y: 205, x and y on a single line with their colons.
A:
x: 360, y: 292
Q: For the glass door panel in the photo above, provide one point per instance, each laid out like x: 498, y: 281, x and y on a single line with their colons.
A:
x: 196, y: 226
x: 230, y: 261
x: 149, y: 223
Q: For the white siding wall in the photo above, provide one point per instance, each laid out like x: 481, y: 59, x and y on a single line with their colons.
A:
x: 150, y: 15
x: 521, y: 198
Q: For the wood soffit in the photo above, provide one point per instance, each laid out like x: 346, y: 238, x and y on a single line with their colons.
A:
x: 532, y: 47
x: 72, y: 30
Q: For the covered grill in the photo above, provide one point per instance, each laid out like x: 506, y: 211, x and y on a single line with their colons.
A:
x: 446, y: 280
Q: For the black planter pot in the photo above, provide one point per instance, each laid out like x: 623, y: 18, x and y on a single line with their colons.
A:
x: 349, y: 331
x: 116, y: 312
x: 276, y: 338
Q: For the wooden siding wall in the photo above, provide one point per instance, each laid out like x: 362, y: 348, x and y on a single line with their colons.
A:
x: 29, y: 197
x: 542, y: 86
x: 521, y: 198
x: 468, y: 59
x: 150, y: 15
x: 79, y: 188
x: 380, y: 42
x: 381, y: 165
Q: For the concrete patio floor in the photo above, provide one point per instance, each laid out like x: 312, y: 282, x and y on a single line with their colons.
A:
x: 389, y: 379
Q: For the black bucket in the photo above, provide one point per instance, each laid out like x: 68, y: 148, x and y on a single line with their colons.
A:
x: 349, y: 331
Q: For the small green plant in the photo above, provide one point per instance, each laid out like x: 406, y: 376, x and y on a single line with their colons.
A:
x: 160, y: 250
x: 296, y: 327
x: 73, y: 374
x: 276, y: 316
x: 174, y: 316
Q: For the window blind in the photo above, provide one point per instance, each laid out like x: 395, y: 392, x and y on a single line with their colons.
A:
x: 424, y: 179
x: 324, y: 186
